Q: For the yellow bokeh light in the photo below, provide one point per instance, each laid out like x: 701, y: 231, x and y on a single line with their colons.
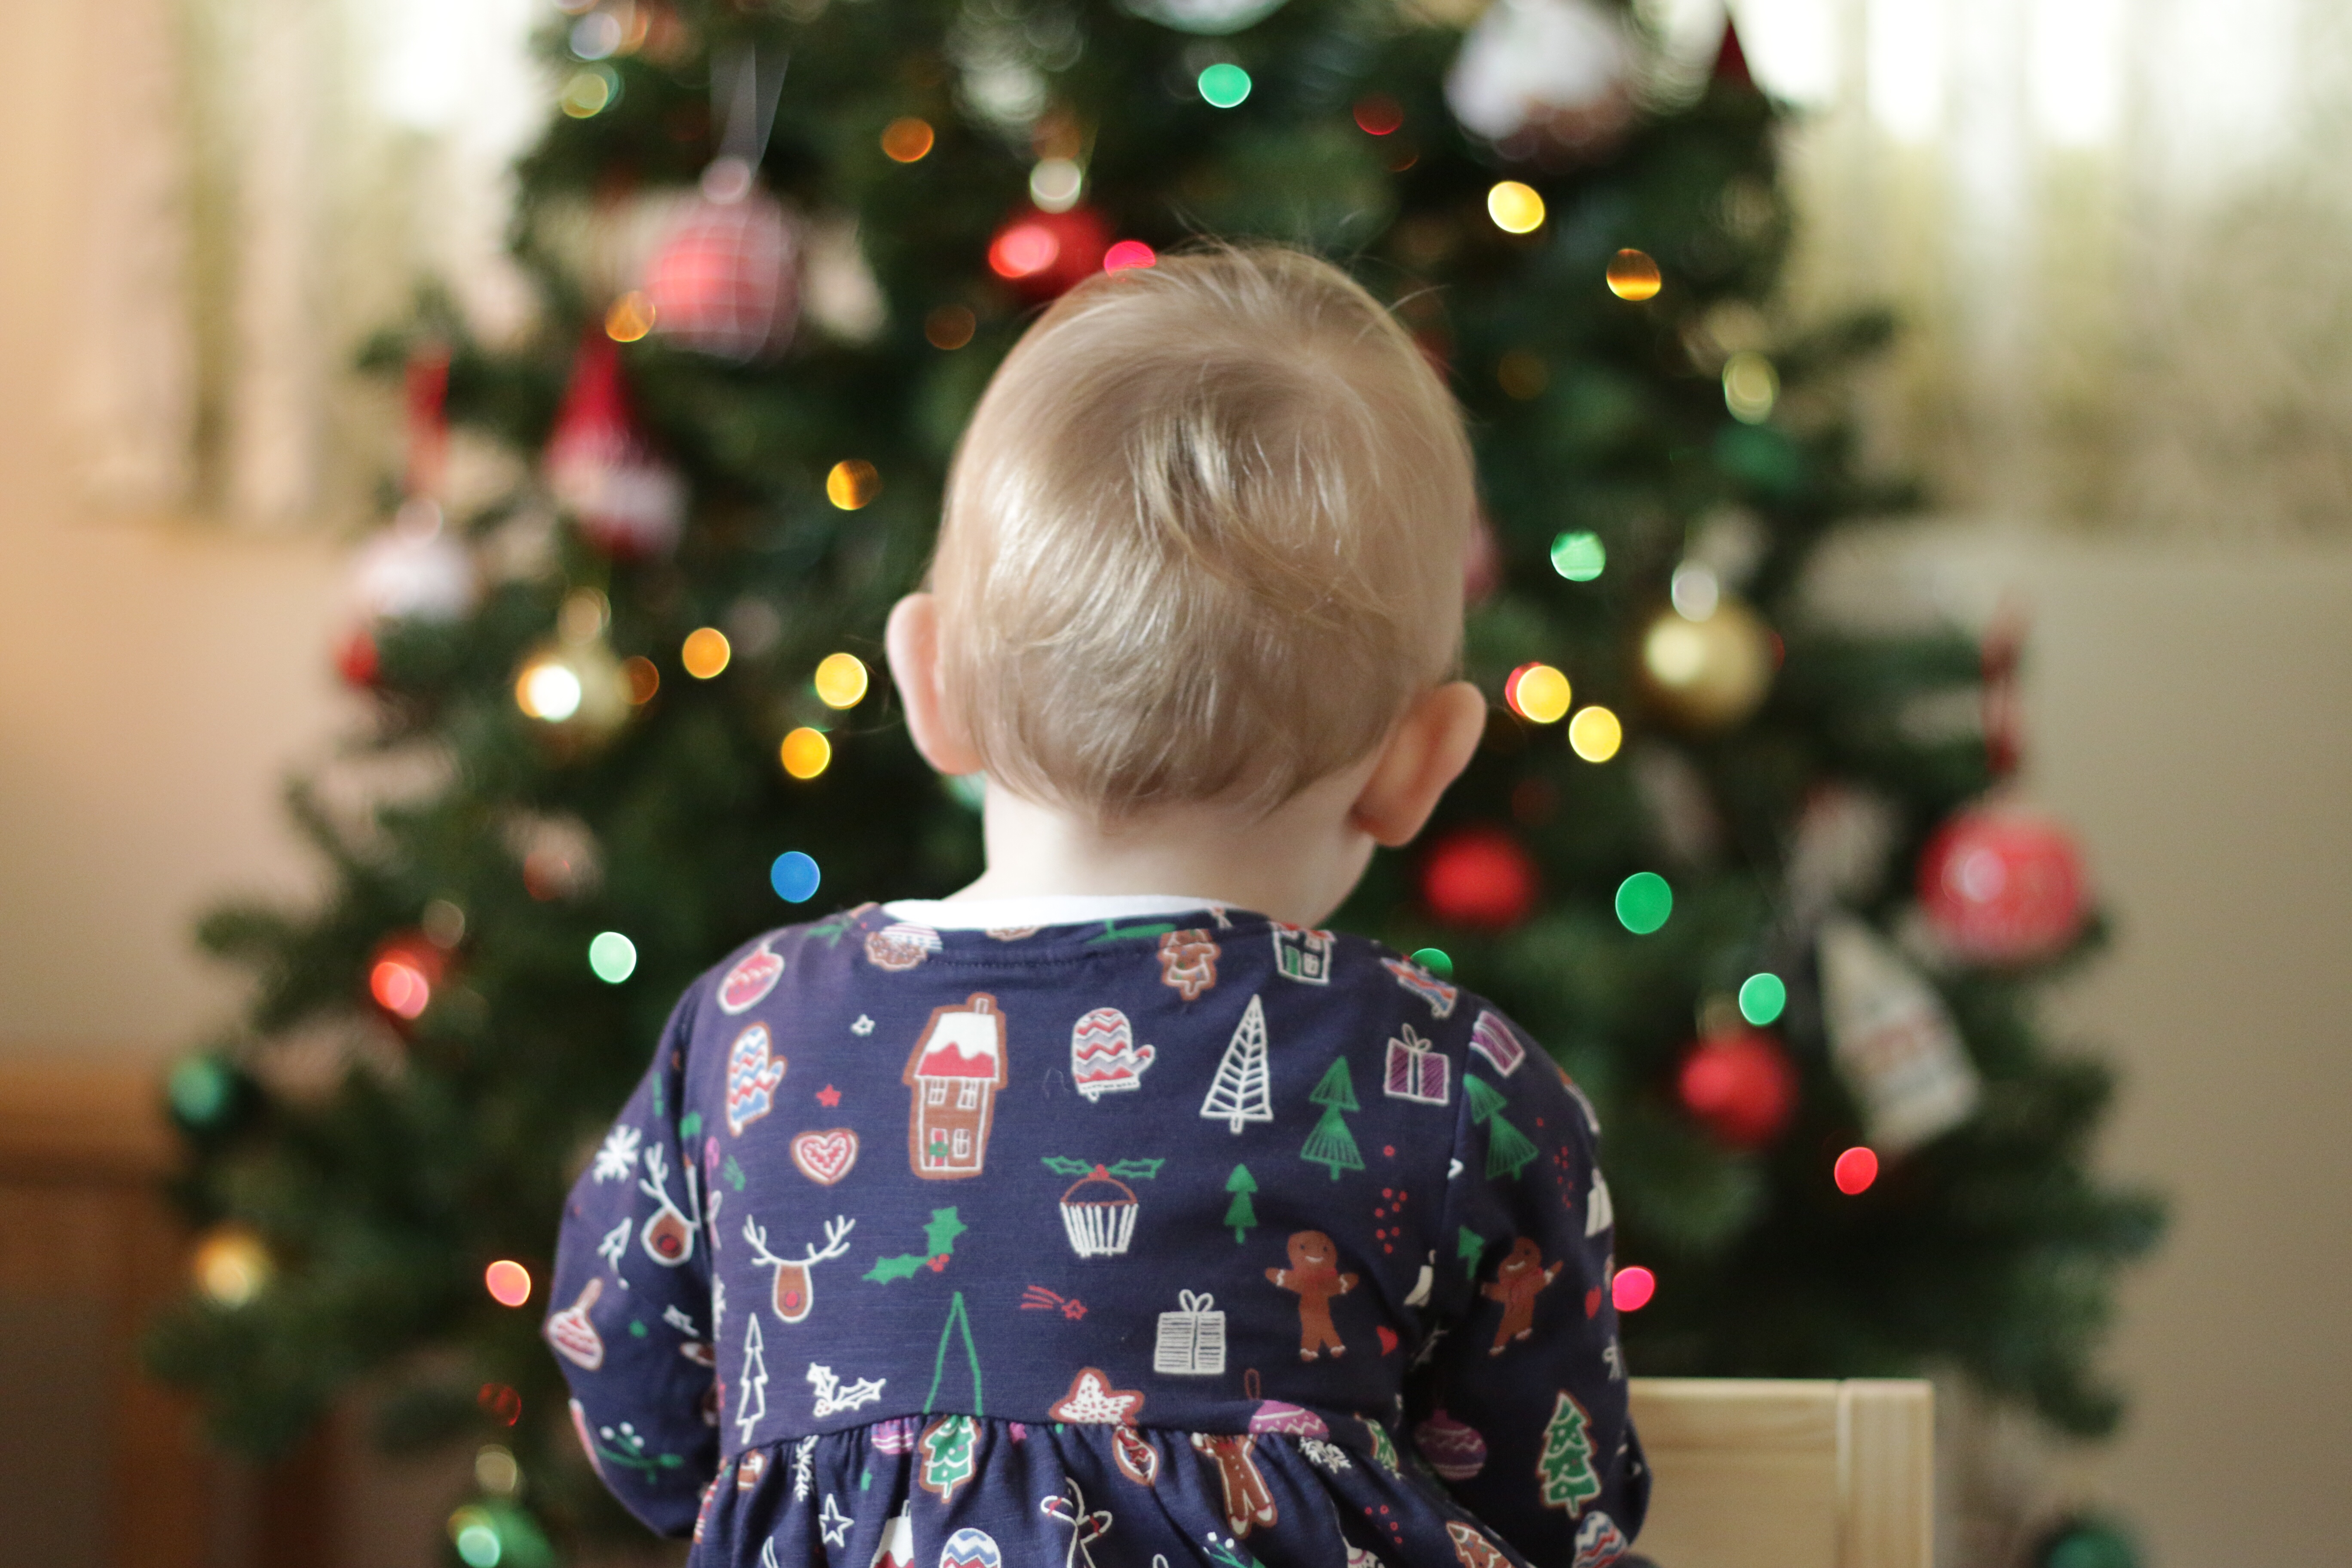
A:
x: 1515, y: 207
x: 841, y: 680
x: 905, y: 140
x: 706, y: 652
x: 631, y: 318
x: 1595, y: 734
x: 1750, y: 386
x: 232, y: 1266
x: 852, y: 483
x: 1634, y: 276
x: 806, y: 753
x: 548, y: 689
x: 1541, y: 693
x: 589, y: 92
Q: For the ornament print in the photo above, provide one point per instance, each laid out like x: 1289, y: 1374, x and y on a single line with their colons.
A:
x: 970, y: 1548
x: 1098, y: 1210
x: 1241, y: 1090
x: 1599, y: 1541
x: 1314, y: 1277
x: 1188, y: 962
x: 1417, y: 1071
x: 1303, y: 954
x: 1104, y: 1057
x: 825, y: 1157
x: 752, y: 1075
x: 1517, y: 1281
x: 950, y: 1448
x: 902, y: 947
x: 753, y: 976
x: 956, y: 1067
x: 1423, y: 984
x: 1564, y: 1473
x: 1139, y: 1462
x: 790, y: 1296
x: 1192, y: 1340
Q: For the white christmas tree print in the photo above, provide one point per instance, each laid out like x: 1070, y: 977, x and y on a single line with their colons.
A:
x: 1239, y: 1093
x: 753, y: 1405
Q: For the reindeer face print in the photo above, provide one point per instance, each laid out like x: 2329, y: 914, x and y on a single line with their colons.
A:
x: 792, y: 1297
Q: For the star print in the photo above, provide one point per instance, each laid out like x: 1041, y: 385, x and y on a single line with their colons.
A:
x: 865, y: 1025
x: 1453, y: 1170
x: 828, y: 1096
x: 834, y: 1523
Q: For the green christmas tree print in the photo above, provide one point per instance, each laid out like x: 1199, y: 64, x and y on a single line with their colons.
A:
x: 1564, y: 1469
x: 1509, y: 1149
x: 1241, y: 1215
x: 1331, y: 1145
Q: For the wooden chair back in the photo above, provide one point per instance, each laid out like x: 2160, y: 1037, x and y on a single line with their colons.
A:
x: 1754, y: 1473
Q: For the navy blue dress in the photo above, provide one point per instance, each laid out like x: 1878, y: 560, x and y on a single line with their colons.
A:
x: 1194, y: 1240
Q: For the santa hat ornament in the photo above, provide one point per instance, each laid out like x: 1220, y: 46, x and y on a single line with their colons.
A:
x: 601, y: 469
x: 413, y: 569
x: 726, y: 280
x: 1544, y: 75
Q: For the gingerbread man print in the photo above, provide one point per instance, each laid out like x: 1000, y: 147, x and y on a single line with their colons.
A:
x: 1314, y: 1277
x: 1517, y: 1284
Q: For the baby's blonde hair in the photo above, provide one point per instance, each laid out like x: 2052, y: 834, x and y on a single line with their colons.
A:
x: 1203, y: 538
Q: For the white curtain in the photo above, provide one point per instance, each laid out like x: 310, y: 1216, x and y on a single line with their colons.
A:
x: 2119, y: 236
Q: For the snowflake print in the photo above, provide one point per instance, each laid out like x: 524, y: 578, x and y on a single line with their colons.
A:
x: 1329, y: 1456
x: 865, y: 1025
x: 618, y: 1157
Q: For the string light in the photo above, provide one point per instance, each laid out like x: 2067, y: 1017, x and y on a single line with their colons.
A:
x: 1522, y: 374
x: 1855, y: 1170
x: 794, y: 876
x: 590, y: 92
x: 631, y: 318
x: 1595, y: 734
x: 231, y: 1265
x: 612, y: 957
x: 1378, y: 115
x: 199, y: 1091
x: 1643, y: 903
x: 1538, y: 693
x: 644, y: 679
x: 949, y: 327
x: 499, y: 1403
x: 1225, y: 85
x: 508, y: 1282
x: 806, y: 753
x: 841, y: 680
x: 1578, y: 557
x: 1023, y: 251
x: 1750, y: 386
x: 1436, y: 959
x: 1631, y: 1289
x: 548, y: 689
x: 1129, y: 253
x: 705, y: 652
x: 1634, y: 276
x: 475, y: 1534
x: 1761, y: 998
x: 906, y: 141
x: 495, y: 1471
x: 1055, y: 184
x: 399, y: 987
x: 1515, y: 207
x: 1694, y: 592
x: 851, y: 483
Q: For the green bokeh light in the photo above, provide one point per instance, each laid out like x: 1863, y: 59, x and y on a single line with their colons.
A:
x: 613, y: 956
x: 199, y: 1091
x: 1578, y: 557
x: 1224, y: 84
x: 477, y: 1545
x: 1762, y: 997
x: 1643, y: 903
x: 1436, y: 959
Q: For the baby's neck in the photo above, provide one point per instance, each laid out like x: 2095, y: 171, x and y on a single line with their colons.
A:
x: 1295, y: 863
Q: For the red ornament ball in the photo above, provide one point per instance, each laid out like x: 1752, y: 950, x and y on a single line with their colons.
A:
x: 1481, y: 877
x: 726, y: 280
x: 357, y: 661
x: 1740, y: 1086
x: 2003, y: 886
x: 1044, y: 253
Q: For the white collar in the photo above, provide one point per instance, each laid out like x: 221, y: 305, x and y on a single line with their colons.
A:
x: 1039, y: 910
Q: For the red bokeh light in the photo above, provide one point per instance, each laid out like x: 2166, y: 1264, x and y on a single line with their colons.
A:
x: 499, y: 1403
x: 1855, y: 1170
x: 1632, y: 1289
x: 1740, y: 1086
x: 1129, y: 253
x: 508, y: 1282
x: 1023, y: 251
x: 399, y: 986
x: 1379, y: 114
x: 1480, y: 876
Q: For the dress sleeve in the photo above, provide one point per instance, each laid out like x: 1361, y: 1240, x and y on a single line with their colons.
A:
x: 631, y: 1321
x: 1520, y: 1398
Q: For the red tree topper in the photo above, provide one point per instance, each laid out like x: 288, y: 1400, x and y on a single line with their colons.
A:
x: 1481, y: 877
x: 2003, y: 886
x: 1740, y: 1086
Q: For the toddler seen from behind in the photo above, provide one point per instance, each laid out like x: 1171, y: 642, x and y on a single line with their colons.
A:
x: 1109, y: 1212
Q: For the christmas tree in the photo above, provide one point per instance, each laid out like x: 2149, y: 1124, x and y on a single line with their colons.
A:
x: 1331, y: 1144
x: 1739, y: 872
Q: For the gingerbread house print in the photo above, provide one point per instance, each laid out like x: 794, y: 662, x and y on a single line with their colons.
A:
x: 955, y: 1069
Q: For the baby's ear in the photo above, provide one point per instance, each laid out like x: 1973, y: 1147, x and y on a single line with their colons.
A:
x: 911, y: 641
x: 1427, y: 751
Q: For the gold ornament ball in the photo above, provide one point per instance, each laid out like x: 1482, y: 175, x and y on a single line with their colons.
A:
x: 1708, y: 674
